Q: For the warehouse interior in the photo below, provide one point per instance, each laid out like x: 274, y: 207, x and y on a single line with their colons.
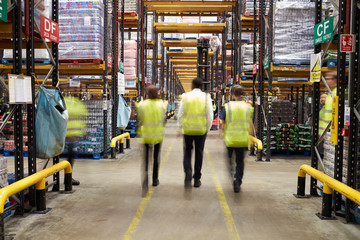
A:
x: 301, y: 178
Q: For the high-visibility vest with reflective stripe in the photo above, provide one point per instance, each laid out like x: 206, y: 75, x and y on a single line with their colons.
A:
x: 325, y: 113
x: 194, y: 121
x: 151, y: 114
x: 237, y: 124
x: 77, y: 116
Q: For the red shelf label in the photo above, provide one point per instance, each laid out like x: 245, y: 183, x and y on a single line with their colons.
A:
x: 49, y: 29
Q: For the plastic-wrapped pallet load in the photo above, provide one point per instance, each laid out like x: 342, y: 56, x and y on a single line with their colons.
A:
x: 81, y: 30
x: 247, y: 53
x: 294, y: 32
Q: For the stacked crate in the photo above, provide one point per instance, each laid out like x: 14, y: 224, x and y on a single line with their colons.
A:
x: 81, y: 27
x: 288, y: 138
x: 282, y: 112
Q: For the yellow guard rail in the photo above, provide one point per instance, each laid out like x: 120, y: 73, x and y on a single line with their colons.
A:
x: 38, y: 179
x: 329, y: 184
x: 121, y: 139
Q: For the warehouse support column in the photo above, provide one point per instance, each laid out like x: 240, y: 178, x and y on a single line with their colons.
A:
x: 105, y: 80
x: 270, y: 93
x: 55, y: 79
x: 353, y: 99
x: 341, y: 85
x: 30, y: 71
x: 315, y: 109
x: 18, y: 117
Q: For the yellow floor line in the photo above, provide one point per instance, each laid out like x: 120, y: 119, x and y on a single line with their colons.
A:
x: 223, y: 203
x: 141, y: 209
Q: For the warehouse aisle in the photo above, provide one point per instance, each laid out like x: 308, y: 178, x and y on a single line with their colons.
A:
x: 108, y: 203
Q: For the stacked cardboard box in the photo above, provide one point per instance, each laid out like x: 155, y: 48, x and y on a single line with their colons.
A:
x: 130, y: 54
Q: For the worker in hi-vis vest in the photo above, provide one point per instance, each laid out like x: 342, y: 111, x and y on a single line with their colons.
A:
x: 78, y: 113
x: 195, y: 117
x: 151, y: 115
x: 236, y: 124
x: 325, y: 113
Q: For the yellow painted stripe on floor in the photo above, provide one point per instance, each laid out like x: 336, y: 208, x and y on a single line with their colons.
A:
x: 141, y: 209
x: 223, y: 203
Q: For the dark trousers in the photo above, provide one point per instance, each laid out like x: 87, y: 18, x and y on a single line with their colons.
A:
x: 239, y: 159
x: 156, y: 159
x: 199, y: 150
x: 71, y: 154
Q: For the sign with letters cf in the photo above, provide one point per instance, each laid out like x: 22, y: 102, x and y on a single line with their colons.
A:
x: 3, y: 10
x: 324, y: 31
x: 49, y: 29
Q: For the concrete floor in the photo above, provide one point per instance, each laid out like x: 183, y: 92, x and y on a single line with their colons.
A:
x: 108, y: 203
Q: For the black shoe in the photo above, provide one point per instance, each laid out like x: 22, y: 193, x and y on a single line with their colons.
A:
x: 75, y: 182
x: 236, y: 186
x: 197, y: 183
x: 155, y: 182
x: 188, y: 178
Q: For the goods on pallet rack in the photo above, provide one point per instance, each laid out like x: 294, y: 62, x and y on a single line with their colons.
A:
x: 81, y: 28
x: 289, y: 139
x: 293, y: 20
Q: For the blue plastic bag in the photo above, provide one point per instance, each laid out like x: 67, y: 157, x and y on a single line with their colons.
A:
x: 123, y: 113
x: 51, y: 122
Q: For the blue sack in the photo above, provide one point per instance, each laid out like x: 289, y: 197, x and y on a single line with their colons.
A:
x: 51, y: 122
x: 123, y: 113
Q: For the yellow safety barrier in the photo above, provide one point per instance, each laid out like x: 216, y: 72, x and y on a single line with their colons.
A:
x: 257, y: 141
x: 36, y: 178
x: 329, y: 184
x: 121, y: 139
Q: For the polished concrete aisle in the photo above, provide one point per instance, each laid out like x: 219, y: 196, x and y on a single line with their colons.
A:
x: 108, y: 203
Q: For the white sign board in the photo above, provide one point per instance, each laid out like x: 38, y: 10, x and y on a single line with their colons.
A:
x: 315, y: 67
x: 20, y: 89
x: 121, y: 83
x: 74, y: 82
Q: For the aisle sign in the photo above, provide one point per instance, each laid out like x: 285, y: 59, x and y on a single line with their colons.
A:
x: 266, y: 62
x: 49, y: 29
x: 315, y: 67
x: 109, y: 61
x: 347, y: 42
x: 121, y: 67
x: 3, y: 10
x: 324, y: 31
x: 254, y: 68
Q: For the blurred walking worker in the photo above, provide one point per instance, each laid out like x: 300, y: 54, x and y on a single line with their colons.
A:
x: 75, y: 129
x: 325, y: 114
x: 195, y: 118
x: 236, y: 123
x: 151, y: 115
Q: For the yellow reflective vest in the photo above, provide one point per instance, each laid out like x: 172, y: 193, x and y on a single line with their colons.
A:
x: 325, y: 113
x: 151, y: 115
x: 195, y: 115
x: 237, y: 124
x: 77, y: 117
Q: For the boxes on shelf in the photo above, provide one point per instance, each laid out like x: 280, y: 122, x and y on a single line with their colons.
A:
x: 81, y: 27
x: 293, y: 32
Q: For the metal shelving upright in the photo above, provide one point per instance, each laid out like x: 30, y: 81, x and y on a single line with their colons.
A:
x: 354, y: 116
